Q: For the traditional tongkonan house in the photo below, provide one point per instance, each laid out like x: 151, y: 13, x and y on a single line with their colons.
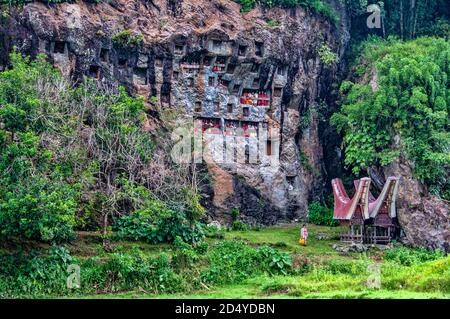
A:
x: 382, y: 225
x: 351, y: 212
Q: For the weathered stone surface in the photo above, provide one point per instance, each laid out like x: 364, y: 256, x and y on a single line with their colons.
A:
x: 200, y: 57
x: 424, y: 218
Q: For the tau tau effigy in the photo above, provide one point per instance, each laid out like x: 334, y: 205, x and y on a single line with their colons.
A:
x: 364, y: 218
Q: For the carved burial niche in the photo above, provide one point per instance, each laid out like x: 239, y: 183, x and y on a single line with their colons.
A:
x: 217, y: 44
x: 224, y: 83
x: 290, y: 180
x: 282, y: 70
x: 165, y: 98
x: 259, y: 48
x: 255, y: 83
x: 231, y: 68
x: 158, y: 62
x: 211, y: 81
x: 217, y: 106
x: 104, y: 55
x: 122, y: 62
x: 140, y: 76
x: 198, y: 106
x: 207, y: 60
x: 190, y: 82
x: 242, y: 50
x: 268, y: 147
x: 230, y: 108
x: 178, y: 49
x: 277, y: 91
x: 175, y: 75
x: 246, y: 111
x: 94, y: 72
x: 236, y: 89
x: 60, y: 47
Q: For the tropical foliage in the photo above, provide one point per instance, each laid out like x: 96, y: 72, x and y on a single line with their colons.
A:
x: 403, y: 111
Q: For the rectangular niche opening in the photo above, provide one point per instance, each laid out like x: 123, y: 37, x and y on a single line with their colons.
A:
x: 268, y: 147
x: 211, y: 81
x: 256, y: 83
x: 59, y: 47
x: 104, y: 55
x: 140, y: 76
x: 158, y: 62
x: 230, y: 108
x: 231, y: 68
x: 94, y: 72
x: 282, y: 70
x: 175, y: 75
x: 207, y: 60
x: 259, y: 48
x: 217, y: 106
x: 246, y: 111
x: 290, y: 180
x: 198, y: 106
x: 277, y: 92
x: 221, y: 60
x: 242, y: 50
x: 165, y: 98
x: 122, y: 62
x: 178, y: 49
x: 236, y: 89
x: 224, y: 83
x: 217, y: 44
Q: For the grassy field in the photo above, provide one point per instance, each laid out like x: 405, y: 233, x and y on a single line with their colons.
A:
x: 329, y: 274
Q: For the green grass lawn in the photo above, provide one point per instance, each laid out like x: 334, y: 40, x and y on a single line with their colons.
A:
x: 346, y: 277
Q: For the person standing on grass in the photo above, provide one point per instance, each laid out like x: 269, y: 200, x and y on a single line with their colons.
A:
x: 304, y: 234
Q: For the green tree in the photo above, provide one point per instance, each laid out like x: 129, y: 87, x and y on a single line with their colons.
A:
x: 405, y: 113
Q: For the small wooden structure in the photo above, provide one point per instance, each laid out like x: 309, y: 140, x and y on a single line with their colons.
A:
x: 351, y: 213
x: 382, y: 225
x: 364, y: 218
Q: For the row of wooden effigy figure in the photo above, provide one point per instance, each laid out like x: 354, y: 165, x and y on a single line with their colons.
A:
x: 364, y: 218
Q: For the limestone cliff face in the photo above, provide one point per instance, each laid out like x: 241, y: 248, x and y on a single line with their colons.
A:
x: 424, y: 218
x: 231, y: 72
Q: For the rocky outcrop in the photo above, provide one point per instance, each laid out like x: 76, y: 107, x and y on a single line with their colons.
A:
x: 424, y: 218
x: 252, y: 82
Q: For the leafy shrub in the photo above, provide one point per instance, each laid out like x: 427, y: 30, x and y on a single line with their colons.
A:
x: 432, y: 275
x: 320, y: 215
x: 212, y: 231
x: 130, y: 271
x: 409, y: 256
x: 158, y: 224
x: 407, y: 115
x: 273, y: 261
x: 317, y: 6
x: 127, y: 38
x: 349, y: 267
x: 235, y: 213
x: 185, y: 255
x: 273, y: 23
x: 231, y: 261
x: 327, y: 56
x: 34, y: 274
x: 239, y: 226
